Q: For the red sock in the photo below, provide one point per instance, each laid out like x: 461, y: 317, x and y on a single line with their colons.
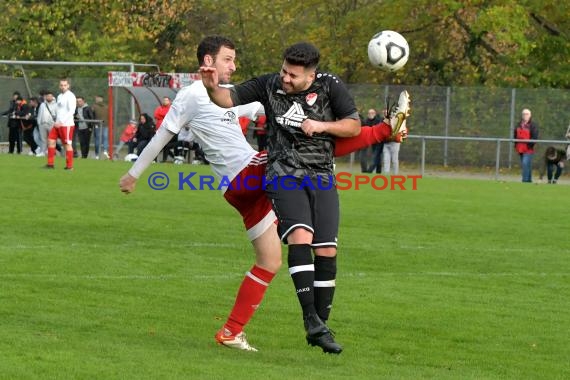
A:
x: 51, y: 156
x: 68, y: 158
x: 249, y: 297
x: 368, y: 136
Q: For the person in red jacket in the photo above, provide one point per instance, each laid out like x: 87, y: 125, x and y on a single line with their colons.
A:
x: 244, y: 122
x: 526, y: 130
x: 260, y: 132
x: 161, y: 111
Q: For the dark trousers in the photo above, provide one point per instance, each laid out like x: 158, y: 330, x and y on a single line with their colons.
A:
x: 553, y: 171
x: 363, y: 155
x: 261, y: 142
x: 182, y: 148
x: 14, y: 139
x: 29, y: 139
x: 169, y: 149
x: 376, y: 158
x: 141, y: 145
x: 84, y: 136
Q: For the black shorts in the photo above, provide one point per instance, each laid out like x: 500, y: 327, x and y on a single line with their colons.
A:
x: 314, y: 208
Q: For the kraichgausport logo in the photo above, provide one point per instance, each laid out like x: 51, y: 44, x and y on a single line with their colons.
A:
x: 341, y: 180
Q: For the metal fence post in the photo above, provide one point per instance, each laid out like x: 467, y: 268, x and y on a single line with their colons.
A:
x: 423, y: 159
x: 512, y: 128
x: 498, y: 159
x: 447, y: 108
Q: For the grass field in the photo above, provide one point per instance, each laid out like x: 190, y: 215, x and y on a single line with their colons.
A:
x: 461, y: 279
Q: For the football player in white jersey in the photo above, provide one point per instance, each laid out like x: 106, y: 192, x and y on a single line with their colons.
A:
x: 231, y: 157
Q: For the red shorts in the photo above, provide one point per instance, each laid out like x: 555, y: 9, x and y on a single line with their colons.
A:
x: 251, y: 201
x: 65, y: 134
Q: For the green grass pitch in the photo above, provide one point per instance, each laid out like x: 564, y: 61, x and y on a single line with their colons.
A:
x: 460, y: 279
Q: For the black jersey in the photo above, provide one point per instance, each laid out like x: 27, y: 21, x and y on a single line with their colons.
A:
x: 291, y: 152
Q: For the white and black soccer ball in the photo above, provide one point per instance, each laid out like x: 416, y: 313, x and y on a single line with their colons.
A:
x: 131, y: 157
x: 388, y: 50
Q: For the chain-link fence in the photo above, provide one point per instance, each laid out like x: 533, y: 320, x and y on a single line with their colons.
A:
x: 436, y: 111
x: 470, y: 112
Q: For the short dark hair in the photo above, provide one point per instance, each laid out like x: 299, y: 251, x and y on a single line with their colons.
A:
x: 302, y: 54
x: 211, y: 45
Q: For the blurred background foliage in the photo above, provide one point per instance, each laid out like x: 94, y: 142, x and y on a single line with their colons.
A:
x: 488, y: 43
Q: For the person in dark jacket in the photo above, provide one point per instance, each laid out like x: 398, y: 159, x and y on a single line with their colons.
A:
x: 145, y: 131
x: 84, y: 128
x: 28, y: 114
x: 372, y: 118
x: 14, y: 128
x: 553, y: 164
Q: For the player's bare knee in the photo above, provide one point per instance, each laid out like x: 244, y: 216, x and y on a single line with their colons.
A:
x: 300, y: 236
x: 326, y: 251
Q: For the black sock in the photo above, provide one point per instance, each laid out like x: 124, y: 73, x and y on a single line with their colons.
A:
x: 302, y: 273
x: 325, y: 276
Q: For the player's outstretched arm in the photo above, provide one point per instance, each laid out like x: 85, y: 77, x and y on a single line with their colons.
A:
x: 219, y: 95
x: 127, y: 183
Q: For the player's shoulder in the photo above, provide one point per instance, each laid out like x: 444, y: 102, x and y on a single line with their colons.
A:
x: 193, y: 90
x: 328, y: 78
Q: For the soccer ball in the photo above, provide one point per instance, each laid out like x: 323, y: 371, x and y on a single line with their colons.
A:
x: 388, y: 50
x: 131, y: 157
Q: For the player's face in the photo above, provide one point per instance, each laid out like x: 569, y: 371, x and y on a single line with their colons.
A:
x: 224, y: 62
x: 295, y: 78
x: 63, y: 85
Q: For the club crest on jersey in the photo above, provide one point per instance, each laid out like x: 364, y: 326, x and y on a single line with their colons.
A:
x: 229, y: 118
x: 311, y: 98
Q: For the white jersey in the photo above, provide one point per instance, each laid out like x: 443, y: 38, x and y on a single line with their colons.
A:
x: 216, y: 129
x: 66, y: 104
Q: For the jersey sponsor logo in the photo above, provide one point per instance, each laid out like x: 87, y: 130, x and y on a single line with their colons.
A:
x: 311, y: 98
x: 294, y: 117
x: 229, y: 118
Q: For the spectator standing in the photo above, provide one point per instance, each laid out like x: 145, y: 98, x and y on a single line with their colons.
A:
x: 14, y: 129
x: 28, y: 121
x: 244, y: 123
x: 46, y: 119
x: 161, y: 111
x: 526, y: 130
x: 372, y: 118
x: 84, y: 128
x: 260, y: 132
x: 390, y: 155
x: 101, y: 130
